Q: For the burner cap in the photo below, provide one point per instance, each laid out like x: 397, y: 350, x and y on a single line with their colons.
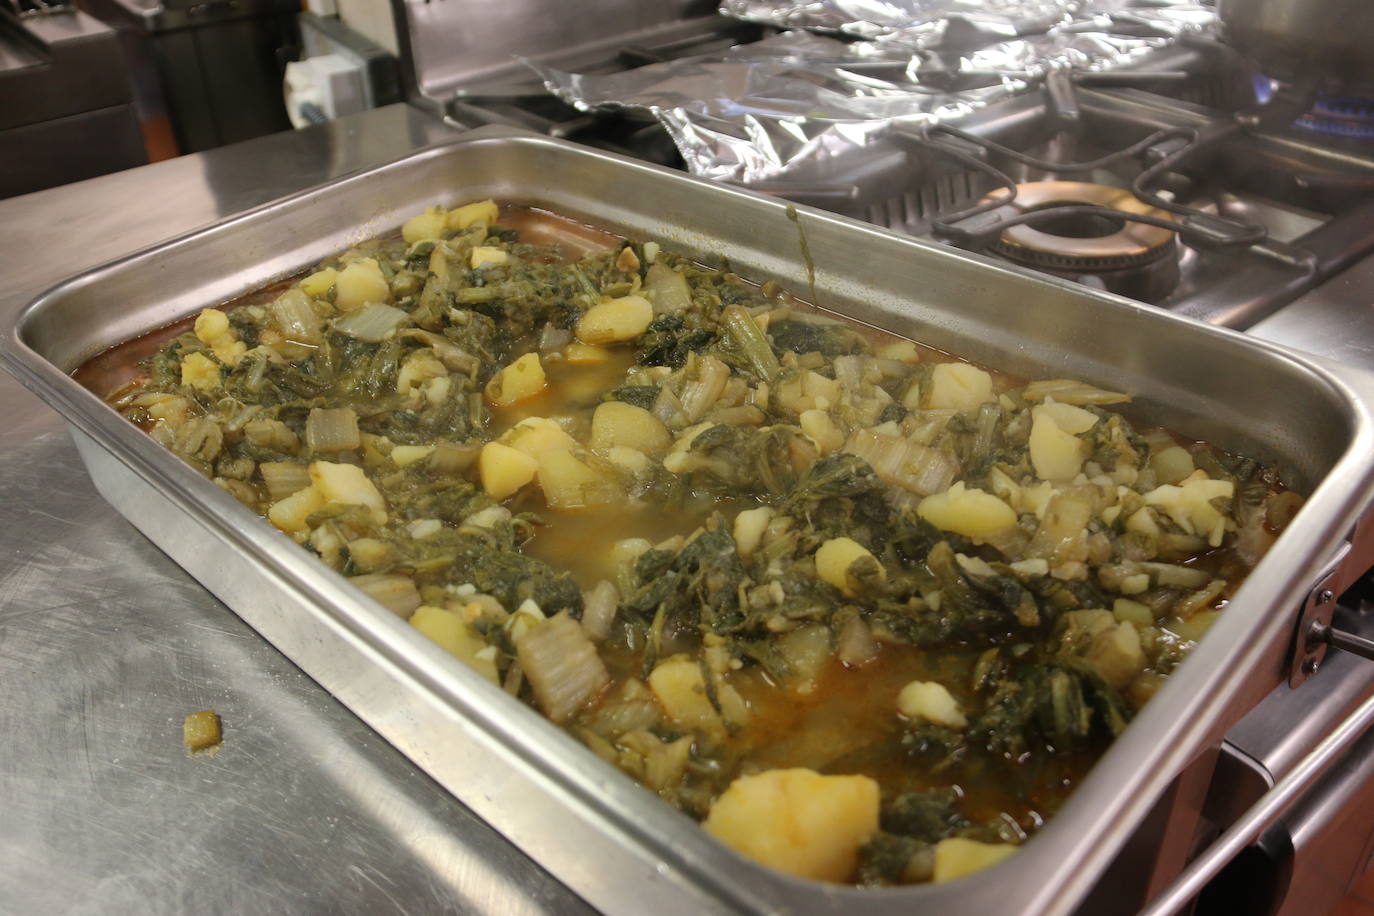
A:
x: 1340, y: 118
x: 1081, y: 241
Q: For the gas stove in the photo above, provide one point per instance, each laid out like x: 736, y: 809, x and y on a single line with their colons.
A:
x: 1179, y: 178
x: 1174, y: 176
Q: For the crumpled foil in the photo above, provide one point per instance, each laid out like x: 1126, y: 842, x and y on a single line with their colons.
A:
x: 800, y: 107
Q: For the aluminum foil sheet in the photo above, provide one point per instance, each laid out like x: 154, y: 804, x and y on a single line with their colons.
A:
x: 803, y: 108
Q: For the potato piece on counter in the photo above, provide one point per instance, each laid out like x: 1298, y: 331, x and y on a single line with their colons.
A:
x: 358, y: 284
x: 519, y: 381
x: 450, y: 632
x: 616, y: 423
x: 956, y: 857
x: 798, y: 821
x: 615, y: 321
x: 967, y: 511
x: 503, y: 469
x: 482, y: 211
x: 201, y: 730
x: 835, y: 563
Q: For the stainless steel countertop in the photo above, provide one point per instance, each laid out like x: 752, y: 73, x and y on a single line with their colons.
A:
x: 105, y: 645
x: 1334, y: 321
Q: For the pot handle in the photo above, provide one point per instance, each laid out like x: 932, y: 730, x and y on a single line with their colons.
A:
x: 1261, y: 814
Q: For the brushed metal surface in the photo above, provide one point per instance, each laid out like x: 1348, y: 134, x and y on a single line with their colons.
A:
x: 105, y: 644
x: 585, y: 821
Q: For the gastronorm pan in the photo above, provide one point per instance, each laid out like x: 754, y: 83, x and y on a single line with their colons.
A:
x: 611, y: 841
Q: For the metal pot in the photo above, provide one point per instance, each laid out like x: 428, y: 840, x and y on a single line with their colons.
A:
x: 1325, y: 44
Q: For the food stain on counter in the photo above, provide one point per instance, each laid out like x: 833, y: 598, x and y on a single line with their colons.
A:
x: 202, y: 733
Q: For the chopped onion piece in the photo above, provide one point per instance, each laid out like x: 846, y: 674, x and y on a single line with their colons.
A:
x: 561, y: 665
x: 395, y: 592
x: 284, y: 478
x: 898, y: 460
x: 295, y: 318
x: 598, y: 610
x: 332, y: 430
x: 372, y: 323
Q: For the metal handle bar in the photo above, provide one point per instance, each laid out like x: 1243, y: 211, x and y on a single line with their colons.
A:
x: 1265, y: 811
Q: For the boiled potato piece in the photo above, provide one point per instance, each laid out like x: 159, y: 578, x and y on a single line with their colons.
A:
x: 358, y: 284
x: 318, y: 283
x: 536, y: 435
x: 570, y: 483
x: 451, y: 633
x: 616, y: 423
x: 836, y: 558
x: 681, y: 690
x: 503, y: 469
x: 199, y: 371
x: 933, y: 702
x: 956, y: 857
x: 482, y: 255
x: 959, y: 386
x: 798, y: 821
x: 405, y: 455
x: 822, y: 430
x: 289, y: 514
x: 1072, y: 420
x: 483, y: 211
x: 580, y: 354
x: 615, y: 320
x: 749, y: 528
x: 428, y: 225
x: 1172, y: 464
x: 967, y: 511
x: 1190, y: 505
x: 519, y: 381
x: 1116, y: 653
x: 1055, y: 453
x: 348, y: 484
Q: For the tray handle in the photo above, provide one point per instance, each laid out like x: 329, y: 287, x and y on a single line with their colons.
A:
x: 1261, y: 814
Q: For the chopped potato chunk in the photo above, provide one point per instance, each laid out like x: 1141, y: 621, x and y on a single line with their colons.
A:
x: 956, y: 857
x: 519, y: 381
x: 1055, y: 453
x: 967, y: 511
x: 358, y: 284
x: 616, y: 423
x: 451, y: 633
x: 836, y: 563
x: 615, y: 320
x: 504, y: 469
x: 482, y: 256
x: 959, y: 386
x: 798, y: 821
x: 348, y: 484
x: 570, y: 483
x: 933, y: 702
x: 201, y: 730
x: 428, y: 225
x: 483, y: 211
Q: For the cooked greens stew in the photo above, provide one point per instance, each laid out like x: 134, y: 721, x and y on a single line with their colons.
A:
x: 868, y: 611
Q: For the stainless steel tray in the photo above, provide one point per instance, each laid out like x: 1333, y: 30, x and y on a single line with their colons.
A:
x: 608, y: 839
